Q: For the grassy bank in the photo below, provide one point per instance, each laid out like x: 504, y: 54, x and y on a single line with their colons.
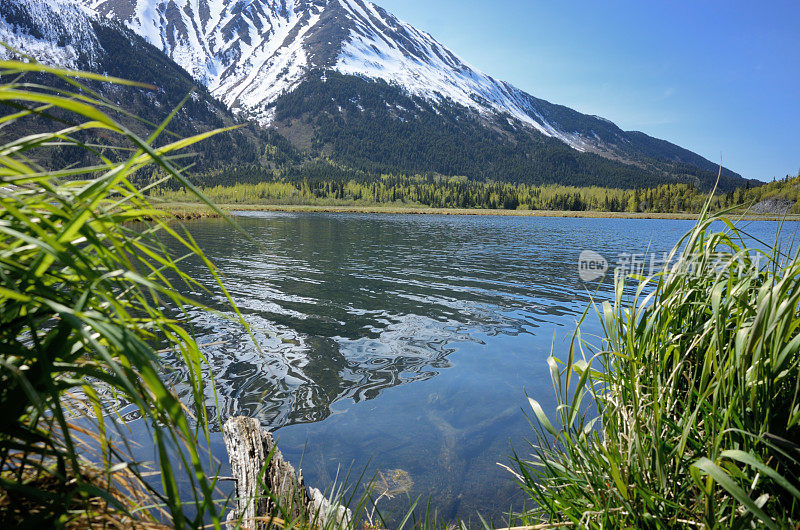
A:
x: 454, y: 193
x: 461, y: 193
x: 188, y: 211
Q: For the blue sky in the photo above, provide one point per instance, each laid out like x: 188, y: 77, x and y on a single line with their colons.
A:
x: 721, y: 78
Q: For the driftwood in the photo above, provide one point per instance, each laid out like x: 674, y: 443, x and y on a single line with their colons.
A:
x: 266, y: 490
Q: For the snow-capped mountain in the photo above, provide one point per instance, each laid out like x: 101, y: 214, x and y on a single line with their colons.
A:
x: 69, y: 35
x: 249, y: 53
x: 35, y: 27
x: 256, y: 56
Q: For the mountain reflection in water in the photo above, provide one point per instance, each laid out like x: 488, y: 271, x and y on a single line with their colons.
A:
x: 401, y: 345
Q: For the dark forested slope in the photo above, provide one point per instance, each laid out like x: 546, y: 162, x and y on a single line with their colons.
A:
x: 377, y: 127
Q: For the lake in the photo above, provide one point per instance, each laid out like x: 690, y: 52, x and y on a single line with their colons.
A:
x: 404, y: 342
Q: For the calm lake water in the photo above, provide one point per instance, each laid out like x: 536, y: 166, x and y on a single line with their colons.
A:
x: 393, y: 342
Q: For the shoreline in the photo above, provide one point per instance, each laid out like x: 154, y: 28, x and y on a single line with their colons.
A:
x: 190, y: 211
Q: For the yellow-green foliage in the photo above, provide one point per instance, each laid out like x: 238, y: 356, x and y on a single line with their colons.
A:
x: 787, y: 189
x: 455, y: 192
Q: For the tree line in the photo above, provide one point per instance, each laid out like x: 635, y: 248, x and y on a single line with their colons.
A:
x: 460, y: 192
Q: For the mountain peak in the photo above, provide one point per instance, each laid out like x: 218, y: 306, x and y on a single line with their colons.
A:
x: 249, y: 53
x: 253, y: 54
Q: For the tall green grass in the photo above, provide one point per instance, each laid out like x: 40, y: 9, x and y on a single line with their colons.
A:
x: 688, y: 413
x: 84, y: 297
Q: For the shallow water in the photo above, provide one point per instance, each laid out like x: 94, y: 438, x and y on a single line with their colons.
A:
x: 405, y: 342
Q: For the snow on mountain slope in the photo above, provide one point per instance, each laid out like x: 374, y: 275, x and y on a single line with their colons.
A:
x: 56, y: 32
x: 381, y: 46
x: 249, y: 52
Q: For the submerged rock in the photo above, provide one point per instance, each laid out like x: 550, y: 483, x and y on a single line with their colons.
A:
x: 394, y: 482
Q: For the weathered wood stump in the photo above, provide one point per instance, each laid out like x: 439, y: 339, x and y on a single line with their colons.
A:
x: 269, y: 487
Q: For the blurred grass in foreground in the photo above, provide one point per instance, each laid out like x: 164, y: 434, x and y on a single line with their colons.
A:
x: 83, y: 301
